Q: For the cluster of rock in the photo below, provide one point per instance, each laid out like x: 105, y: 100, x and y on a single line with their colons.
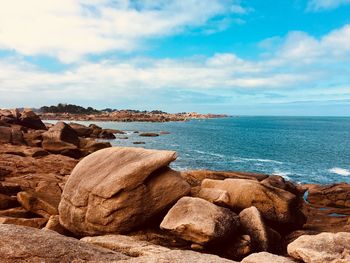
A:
x: 73, y: 140
x: 122, y: 204
x: 129, y: 116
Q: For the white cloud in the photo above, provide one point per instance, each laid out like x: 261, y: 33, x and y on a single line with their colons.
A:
x: 299, y: 63
x: 70, y: 29
x: 319, y: 5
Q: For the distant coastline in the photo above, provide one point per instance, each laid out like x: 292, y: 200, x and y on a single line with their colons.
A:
x: 79, y: 113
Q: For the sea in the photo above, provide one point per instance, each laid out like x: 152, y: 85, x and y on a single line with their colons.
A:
x: 301, y: 149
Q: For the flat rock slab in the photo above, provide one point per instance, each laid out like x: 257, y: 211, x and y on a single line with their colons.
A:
x: 179, y: 256
x: 265, y: 257
x: 26, y: 244
x: 126, y: 245
x: 321, y: 248
x: 117, y: 189
x: 199, y: 221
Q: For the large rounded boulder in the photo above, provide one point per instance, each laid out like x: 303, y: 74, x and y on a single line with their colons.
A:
x: 117, y: 189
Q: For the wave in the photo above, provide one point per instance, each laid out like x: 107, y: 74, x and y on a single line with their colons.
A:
x: 258, y: 160
x: 284, y: 174
x: 237, y: 159
x: 209, y: 153
x: 339, y: 171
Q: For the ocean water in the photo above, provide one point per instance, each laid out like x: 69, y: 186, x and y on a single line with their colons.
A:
x: 302, y: 149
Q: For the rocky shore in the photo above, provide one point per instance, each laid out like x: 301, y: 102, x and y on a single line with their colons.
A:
x: 66, y: 195
x: 130, y: 116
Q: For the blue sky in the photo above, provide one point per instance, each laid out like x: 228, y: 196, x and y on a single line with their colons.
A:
x: 255, y: 57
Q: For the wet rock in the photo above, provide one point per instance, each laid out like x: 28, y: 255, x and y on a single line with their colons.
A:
x: 149, y: 134
x: 264, y: 257
x: 105, y: 134
x: 117, y: 189
x: 200, y: 221
x: 138, y: 142
x: 25, y: 244
x: 321, y: 248
x: 126, y: 245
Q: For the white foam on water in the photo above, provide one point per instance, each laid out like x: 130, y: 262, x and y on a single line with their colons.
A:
x: 242, y: 159
x: 339, y: 171
x: 210, y: 153
x: 284, y: 174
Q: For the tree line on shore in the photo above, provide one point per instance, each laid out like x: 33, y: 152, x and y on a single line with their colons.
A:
x: 75, y: 109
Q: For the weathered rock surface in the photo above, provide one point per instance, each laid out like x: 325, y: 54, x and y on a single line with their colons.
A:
x: 200, y: 221
x: 273, y: 203
x: 215, y: 196
x: 117, y: 189
x: 179, y: 256
x: 265, y: 257
x: 235, y: 248
x: 62, y: 139
x: 54, y: 224
x: 7, y: 202
x: 126, y: 245
x: 321, y: 248
x: 29, y: 119
x: 279, y: 182
x: 253, y: 224
x: 25, y: 244
x: 195, y: 177
x: 29, y: 222
x: 336, y: 195
x: 40, y: 203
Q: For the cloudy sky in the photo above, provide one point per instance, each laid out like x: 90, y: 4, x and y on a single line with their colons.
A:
x: 253, y: 57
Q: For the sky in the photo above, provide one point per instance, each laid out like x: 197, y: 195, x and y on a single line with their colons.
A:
x: 240, y: 57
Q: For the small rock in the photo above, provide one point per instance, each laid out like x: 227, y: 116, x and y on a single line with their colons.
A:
x: 321, y: 248
x: 149, y: 134
x: 200, y: 221
x: 264, y: 257
x: 215, y: 196
x: 139, y: 143
x: 42, y: 204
